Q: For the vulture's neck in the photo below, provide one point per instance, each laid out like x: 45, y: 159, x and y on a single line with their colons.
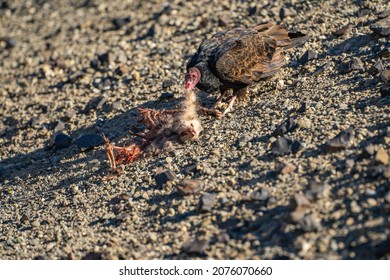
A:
x: 208, y: 81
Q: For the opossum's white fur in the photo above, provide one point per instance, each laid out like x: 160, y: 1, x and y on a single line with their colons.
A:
x: 187, y: 124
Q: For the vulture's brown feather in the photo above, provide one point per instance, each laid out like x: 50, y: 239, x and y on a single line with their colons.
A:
x: 240, y: 57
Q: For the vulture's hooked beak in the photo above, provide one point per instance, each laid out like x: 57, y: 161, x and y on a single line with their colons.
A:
x: 189, y: 82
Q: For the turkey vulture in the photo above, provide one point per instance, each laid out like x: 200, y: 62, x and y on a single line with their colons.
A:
x: 237, y: 58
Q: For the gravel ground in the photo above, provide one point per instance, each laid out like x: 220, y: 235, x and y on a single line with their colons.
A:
x: 269, y: 181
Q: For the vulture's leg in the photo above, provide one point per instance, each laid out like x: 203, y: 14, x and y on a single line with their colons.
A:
x: 239, y: 93
x: 223, y: 93
x: 230, y: 106
x: 213, y: 111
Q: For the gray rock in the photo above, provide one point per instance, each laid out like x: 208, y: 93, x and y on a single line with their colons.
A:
x: 307, y: 56
x: 344, y: 30
x: 368, y: 151
x: 105, y: 83
x: 24, y: 219
x: 384, y: 14
x: 288, y: 125
x: 166, y: 96
x: 286, y: 12
x: 385, y: 90
x: 94, y: 104
x: 309, y: 223
x: 385, y: 53
x: 285, y: 168
x: 382, y: 156
x: 38, y: 122
x: 376, y: 68
x: 223, y: 237
x: 119, y: 22
x: 89, y: 141
x: 60, y: 141
x: 206, y: 202
x: 349, y: 163
x: 357, y: 64
x: 35, y: 223
x: 116, y: 105
x: 197, y: 246
x: 243, y: 140
x: 93, y: 163
x: 352, y: 65
x: 376, y: 171
x: 323, y: 68
x: 299, y: 200
x: 59, y: 126
x: 162, y: 177
x: 355, y: 208
x: 192, y: 168
x: 262, y: 194
x: 70, y: 114
x: 342, y: 141
x: 10, y: 43
x: 382, y: 27
x: 317, y: 190
x: 387, y: 197
x: 223, y: 21
x: 168, y: 83
x: 76, y: 76
x: 284, y: 146
x: 187, y: 186
x: 385, y: 76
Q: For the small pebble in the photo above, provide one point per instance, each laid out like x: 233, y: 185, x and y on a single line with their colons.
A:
x: 286, y: 168
x: 262, y: 194
x: 371, y: 202
x: 187, y: 186
x: 385, y: 76
x: 355, y: 208
x: 168, y: 83
x: 196, y: 246
x: 387, y: 197
x: 317, y: 190
x: 382, y: 156
x: 344, y: 30
x: 35, y: 223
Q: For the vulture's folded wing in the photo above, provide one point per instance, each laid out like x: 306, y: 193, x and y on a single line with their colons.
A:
x: 251, y: 55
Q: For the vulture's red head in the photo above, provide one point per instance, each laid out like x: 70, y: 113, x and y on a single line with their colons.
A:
x: 192, y: 78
